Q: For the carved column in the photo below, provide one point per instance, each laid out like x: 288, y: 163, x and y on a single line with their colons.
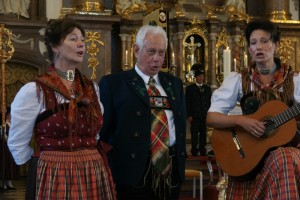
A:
x: 124, y: 46
x: 180, y: 61
x: 278, y: 9
x: 212, y: 60
x: 212, y: 25
x: 130, y: 50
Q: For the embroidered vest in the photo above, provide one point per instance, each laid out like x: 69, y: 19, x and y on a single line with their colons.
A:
x: 59, y: 129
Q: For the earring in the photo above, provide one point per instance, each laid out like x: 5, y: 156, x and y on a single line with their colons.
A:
x: 57, y: 54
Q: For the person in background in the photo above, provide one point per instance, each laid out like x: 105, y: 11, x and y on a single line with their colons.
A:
x: 62, y: 109
x: 198, y: 96
x: 144, y: 122
x: 267, y: 78
x: 9, y: 168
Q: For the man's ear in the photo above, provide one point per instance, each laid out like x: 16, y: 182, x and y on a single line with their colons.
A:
x: 136, y: 50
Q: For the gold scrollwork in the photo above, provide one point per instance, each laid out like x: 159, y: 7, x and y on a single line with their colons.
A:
x: 222, y: 43
x: 285, y: 50
x: 6, y: 47
x: 6, y: 52
x: 93, y: 50
x: 127, y: 8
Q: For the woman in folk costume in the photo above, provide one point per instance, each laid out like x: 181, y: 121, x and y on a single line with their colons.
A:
x: 63, y: 110
x: 278, y: 174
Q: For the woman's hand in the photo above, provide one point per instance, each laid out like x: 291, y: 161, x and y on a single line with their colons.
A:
x: 253, y: 126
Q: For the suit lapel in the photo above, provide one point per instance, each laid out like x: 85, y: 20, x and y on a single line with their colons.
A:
x: 137, y: 85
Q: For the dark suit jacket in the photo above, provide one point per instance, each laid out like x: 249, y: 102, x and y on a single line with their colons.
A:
x: 197, y: 103
x: 127, y: 122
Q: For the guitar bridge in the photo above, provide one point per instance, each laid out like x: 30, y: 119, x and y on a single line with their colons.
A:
x: 237, y: 143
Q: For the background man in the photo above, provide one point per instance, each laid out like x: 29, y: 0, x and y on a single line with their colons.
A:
x: 198, y: 97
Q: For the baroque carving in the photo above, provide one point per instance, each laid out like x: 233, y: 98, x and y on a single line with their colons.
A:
x: 286, y: 50
x: 126, y: 8
x: 93, y: 50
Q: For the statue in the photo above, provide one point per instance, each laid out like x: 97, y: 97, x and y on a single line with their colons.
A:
x: 15, y: 6
x: 126, y: 7
x: 236, y: 9
x: 238, y: 4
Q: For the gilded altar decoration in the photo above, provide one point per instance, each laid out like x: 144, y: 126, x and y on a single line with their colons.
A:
x: 192, y: 46
x: 179, y: 10
x: 195, y: 45
x: 221, y: 45
x: 6, y: 52
x: 127, y: 8
x: 93, y: 50
x: 285, y: 50
x: 222, y: 187
x: 91, y: 7
x: 236, y: 9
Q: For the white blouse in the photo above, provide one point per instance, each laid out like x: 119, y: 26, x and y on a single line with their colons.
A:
x: 24, y: 111
x: 225, y: 98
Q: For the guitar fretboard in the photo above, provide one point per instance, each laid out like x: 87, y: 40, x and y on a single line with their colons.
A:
x: 285, y: 116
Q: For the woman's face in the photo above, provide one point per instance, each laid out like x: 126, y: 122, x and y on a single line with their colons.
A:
x: 72, y: 48
x: 261, y: 47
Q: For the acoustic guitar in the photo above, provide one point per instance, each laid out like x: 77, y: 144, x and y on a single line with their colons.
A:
x: 239, y: 152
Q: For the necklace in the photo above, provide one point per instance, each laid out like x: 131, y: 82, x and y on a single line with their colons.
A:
x: 267, y: 71
x: 68, y: 75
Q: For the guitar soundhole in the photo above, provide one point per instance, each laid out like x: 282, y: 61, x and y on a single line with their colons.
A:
x: 270, y: 127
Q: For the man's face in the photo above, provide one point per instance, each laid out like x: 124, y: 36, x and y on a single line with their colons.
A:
x: 200, y: 78
x: 150, y: 57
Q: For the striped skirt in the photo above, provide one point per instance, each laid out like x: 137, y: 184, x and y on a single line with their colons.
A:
x: 79, y: 175
x: 278, y: 179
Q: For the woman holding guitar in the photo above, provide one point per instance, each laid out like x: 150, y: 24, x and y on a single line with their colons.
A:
x: 261, y: 88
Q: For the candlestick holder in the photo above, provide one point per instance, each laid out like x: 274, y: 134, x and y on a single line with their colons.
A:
x: 173, y: 69
x: 125, y: 67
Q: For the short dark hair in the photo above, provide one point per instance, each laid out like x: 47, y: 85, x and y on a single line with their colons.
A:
x: 57, y: 30
x: 265, y: 25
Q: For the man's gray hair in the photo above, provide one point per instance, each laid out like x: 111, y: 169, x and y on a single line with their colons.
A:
x: 140, y: 37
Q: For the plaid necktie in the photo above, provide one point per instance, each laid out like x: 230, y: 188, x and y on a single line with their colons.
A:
x: 159, y: 133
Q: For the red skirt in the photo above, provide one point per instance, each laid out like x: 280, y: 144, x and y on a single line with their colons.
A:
x: 278, y: 179
x: 73, y: 175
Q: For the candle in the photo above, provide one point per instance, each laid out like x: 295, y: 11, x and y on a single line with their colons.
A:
x: 226, y: 61
x: 192, y: 59
x: 245, y: 60
x: 234, y: 64
x: 173, y: 59
x: 126, y: 57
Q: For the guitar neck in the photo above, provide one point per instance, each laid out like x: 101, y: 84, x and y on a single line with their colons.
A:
x: 287, y: 115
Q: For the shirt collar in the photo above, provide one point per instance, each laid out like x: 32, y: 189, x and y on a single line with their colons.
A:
x: 146, y: 77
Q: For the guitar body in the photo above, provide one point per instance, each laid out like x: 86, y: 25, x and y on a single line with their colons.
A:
x: 226, y: 151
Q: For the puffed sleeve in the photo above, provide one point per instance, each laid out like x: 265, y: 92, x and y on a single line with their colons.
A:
x: 24, y: 111
x: 98, y: 94
x: 224, y: 98
x: 296, y: 80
